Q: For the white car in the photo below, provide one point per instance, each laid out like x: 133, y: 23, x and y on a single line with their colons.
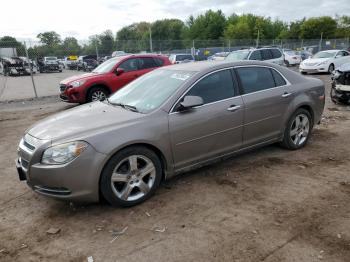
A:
x: 324, y: 61
x: 291, y: 58
x: 267, y: 54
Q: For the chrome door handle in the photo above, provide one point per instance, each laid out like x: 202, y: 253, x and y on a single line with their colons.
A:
x: 233, y: 108
x: 286, y: 94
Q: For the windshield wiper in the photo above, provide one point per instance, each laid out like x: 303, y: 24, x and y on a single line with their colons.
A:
x: 128, y: 107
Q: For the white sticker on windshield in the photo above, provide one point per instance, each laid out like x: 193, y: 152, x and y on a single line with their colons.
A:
x: 180, y: 76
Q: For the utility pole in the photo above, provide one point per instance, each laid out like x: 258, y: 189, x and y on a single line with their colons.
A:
x: 30, y: 69
x: 320, y: 44
x: 257, y: 39
x: 150, y: 40
x: 96, y: 42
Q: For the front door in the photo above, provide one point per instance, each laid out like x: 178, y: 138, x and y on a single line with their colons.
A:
x: 212, y: 129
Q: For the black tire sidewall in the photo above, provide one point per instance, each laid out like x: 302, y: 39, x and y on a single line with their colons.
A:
x: 105, y: 181
x: 287, y: 141
x: 329, y: 68
x: 94, y: 89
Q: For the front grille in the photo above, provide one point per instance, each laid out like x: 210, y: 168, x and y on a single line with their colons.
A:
x: 310, y: 64
x: 63, y: 87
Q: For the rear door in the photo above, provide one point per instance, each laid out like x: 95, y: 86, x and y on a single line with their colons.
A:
x: 266, y: 96
x: 146, y: 64
x: 211, y: 129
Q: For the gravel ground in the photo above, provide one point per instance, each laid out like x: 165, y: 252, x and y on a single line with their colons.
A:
x: 267, y: 205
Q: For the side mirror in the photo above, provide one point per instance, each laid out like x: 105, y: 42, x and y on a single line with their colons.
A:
x: 119, y: 71
x: 190, y: 102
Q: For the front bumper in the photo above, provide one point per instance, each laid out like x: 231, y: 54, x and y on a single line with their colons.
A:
x: 76, y: 181
x: 313, y: 69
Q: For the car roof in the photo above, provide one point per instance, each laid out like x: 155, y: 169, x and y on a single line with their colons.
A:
x: 142, y: 55
x: 212, y: 65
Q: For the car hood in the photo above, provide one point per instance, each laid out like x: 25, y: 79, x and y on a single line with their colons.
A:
x: 315, y: 60
x: 83, y: 120
x: 79, y: 77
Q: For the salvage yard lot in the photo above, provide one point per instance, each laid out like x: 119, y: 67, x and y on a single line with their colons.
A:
x: 21, y: 87
x: 267, y: 205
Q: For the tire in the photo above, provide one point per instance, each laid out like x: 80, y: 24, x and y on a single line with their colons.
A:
x: 330, y: 68
x: 334, y: 100
x: 97, y: 94
x: 124, y: 185
x: 286, y: 63
x: 302, y: 132
x: 303, y: 73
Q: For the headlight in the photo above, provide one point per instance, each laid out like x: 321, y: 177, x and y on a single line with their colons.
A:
x: 77, y: 83
x: 323, y: 63
x: 63, y: 153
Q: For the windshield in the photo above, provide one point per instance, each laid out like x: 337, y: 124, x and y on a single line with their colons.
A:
x: 51, y: 58
x: 325, y: 54
x: 151, y: 90
x: 107, y: 66
x: 183, y: 57
x: 238, y: 55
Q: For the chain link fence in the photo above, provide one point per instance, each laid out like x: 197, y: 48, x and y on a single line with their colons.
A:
x: 33, y: 69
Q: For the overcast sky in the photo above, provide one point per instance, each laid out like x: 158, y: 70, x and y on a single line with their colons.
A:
x: 81, y: 18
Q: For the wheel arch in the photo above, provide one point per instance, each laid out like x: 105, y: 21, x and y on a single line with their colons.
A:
x: 102, y: 85
x: 153, y: 148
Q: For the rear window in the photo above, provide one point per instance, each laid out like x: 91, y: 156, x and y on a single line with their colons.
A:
x: 276, y: 53
x: 279, y: 80
x: 184, y: 57
x: 255, y: 79
x: 159, y: 61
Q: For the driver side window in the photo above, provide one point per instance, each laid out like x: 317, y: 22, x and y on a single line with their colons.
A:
x: 214, y: 87
x: 129, y: 65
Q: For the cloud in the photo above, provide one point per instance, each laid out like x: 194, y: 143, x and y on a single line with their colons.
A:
x: 82, y: 18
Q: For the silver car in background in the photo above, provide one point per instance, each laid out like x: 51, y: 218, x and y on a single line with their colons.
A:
x: 164, y: 123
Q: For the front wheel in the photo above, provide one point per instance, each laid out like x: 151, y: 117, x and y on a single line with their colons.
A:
x: 131, y: 176
x: 330, y: 68
x: 97, y: 94
x: 298, y: 130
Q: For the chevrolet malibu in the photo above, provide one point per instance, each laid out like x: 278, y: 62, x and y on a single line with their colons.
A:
x: 166, y: 122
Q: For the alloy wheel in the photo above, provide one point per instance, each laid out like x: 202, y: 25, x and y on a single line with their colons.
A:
x: 98, y: 95
x: 133, y: 177
x: 300, y: 129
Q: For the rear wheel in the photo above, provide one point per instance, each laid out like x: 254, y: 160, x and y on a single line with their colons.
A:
x: 298, y: 130
x: 97, y: 94
x: 131, y: 176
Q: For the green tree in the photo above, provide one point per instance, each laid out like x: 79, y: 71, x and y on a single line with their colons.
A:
x: 70, y: 46
x: 313, y: 27
x: 167, y: 34
x: 343, y: 26
x: 209, y: 26
x: 106, y: 43
x: 50, y: 38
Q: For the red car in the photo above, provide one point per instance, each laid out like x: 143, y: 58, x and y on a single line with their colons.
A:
x: 109, y: 77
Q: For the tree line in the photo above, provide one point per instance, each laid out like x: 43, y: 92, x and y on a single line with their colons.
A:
x: 207, y: 29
